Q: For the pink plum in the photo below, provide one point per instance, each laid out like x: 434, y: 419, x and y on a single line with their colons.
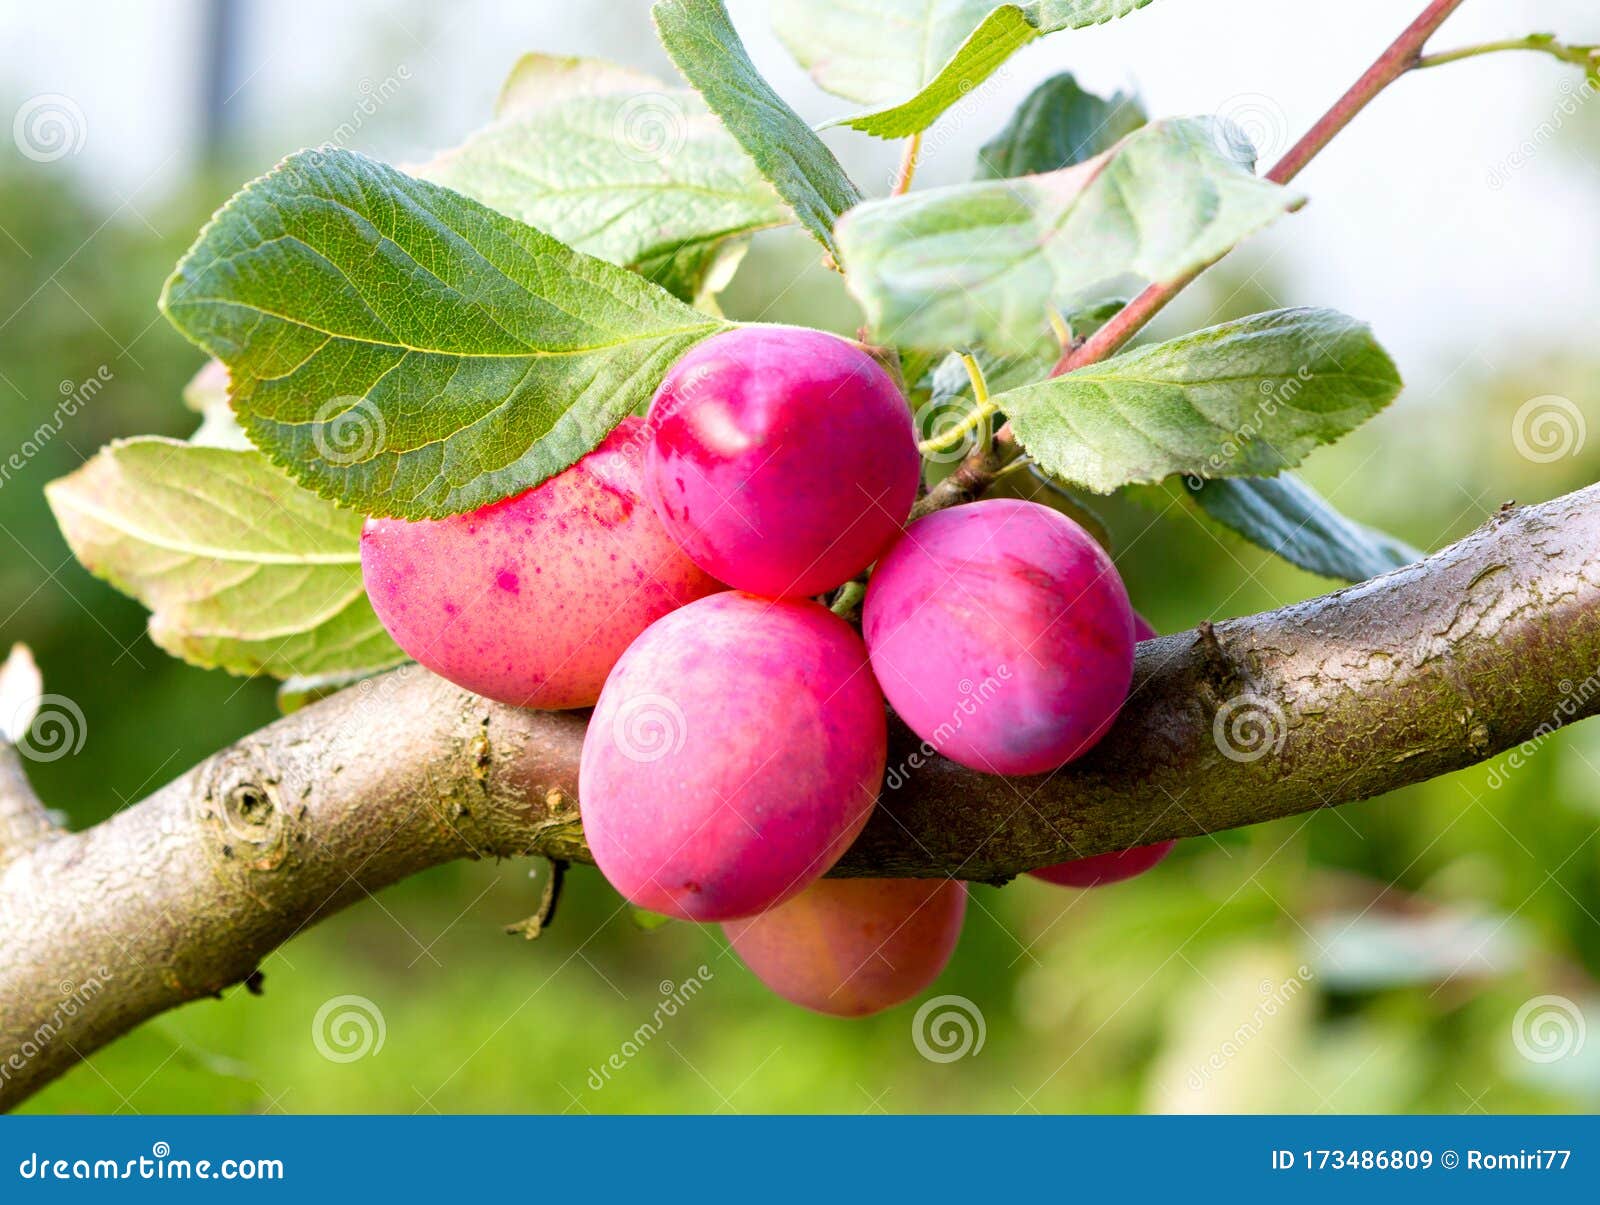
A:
x: 737, y: 749
x: 1002, y: 635
x: 853, y: 947
x: 782, y: 459
x: 1105, y: 868
x: 531, y: 600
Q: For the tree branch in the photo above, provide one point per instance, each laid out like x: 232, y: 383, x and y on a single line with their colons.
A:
x: 1488, y: 644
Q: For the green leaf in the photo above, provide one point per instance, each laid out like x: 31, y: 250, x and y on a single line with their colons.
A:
x: 1059, y: 124
x: 913, y: 59
x: 646, y: 920
x: 407, y: 351
x: 1287, y: 517
x: 1246, y: 398
x: 616, y: 164
x: 240, y: 567
x: 705, y: 46
x: 982, y: 263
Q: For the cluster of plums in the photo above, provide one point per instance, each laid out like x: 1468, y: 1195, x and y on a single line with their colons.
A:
x: 739, y: 738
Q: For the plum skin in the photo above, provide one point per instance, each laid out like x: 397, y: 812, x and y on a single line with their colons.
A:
x: 737, y: 749
x: 853, y: 947
x: 1100, y: 869
x: 1002, y: 634
x: 783, y: 460
x: 532, y: 599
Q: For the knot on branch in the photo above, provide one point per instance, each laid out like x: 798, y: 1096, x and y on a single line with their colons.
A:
x: 243, y: 813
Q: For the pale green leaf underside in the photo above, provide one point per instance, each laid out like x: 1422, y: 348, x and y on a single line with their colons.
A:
x: 1057, y: 125
x: 614, y: 163
x: 982, y: 263
x: 407, y: 351
x: 1288, y: 518
x: 701, y: 39
x: 913, y: 59
x: 207, y: 395
x: 241, y: 568
x: 1247, y: 398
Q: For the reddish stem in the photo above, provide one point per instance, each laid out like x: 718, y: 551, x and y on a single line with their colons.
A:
x: 1400, y: 57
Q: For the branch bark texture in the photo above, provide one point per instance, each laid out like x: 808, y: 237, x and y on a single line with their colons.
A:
x: 1486, y: 645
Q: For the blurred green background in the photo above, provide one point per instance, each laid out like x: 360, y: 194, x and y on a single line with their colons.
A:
x: 1434, y: 950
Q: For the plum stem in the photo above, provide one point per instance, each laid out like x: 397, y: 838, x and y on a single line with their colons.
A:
x: 908, y: 166
x: 847, y: 603
x: 976, y: 417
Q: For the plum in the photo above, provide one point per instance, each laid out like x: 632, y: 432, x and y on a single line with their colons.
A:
x: 531, y: 600
x: 782, y: 459
x: 1100, y: 869
x: 852, y: 947
x: 1002, y: 635
x: 736, y: 751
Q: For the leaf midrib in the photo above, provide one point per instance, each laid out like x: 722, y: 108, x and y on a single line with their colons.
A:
x: 118, y: 522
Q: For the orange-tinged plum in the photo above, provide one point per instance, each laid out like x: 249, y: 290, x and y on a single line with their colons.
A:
x: 736, y: 751
x: 531, y: 600
x: 1002, y: 635
x: 852, y: 947
x: 782, y: 459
